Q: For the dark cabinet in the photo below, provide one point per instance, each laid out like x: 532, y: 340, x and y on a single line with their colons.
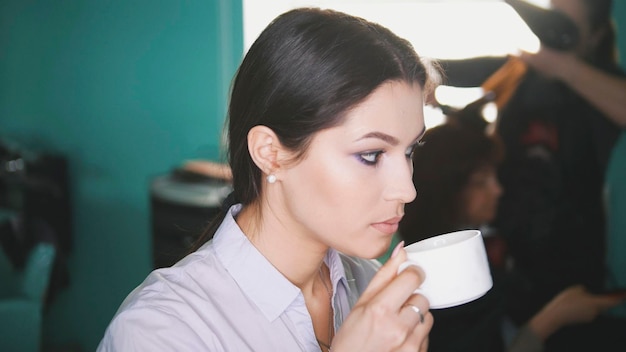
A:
x: 181, y: 206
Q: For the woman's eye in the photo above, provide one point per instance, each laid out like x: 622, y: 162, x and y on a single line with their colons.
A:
x: 370, y: 158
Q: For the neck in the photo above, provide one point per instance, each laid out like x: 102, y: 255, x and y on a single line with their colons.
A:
x: 297, y: 256
x: 324, y: 329
x: 293, y: 252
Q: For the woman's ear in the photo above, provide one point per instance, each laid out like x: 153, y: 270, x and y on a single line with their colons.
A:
x: 264, y: 148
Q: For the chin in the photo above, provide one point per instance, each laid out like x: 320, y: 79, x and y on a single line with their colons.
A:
x: 378, y: 251
x: 369, y: 252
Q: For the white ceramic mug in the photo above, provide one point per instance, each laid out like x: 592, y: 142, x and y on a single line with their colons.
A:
x: 456, y: 267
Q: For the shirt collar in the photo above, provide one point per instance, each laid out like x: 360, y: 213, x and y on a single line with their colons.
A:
x: 265, y: 286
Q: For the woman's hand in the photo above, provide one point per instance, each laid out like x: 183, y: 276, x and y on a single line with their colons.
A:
x: 385, y: 318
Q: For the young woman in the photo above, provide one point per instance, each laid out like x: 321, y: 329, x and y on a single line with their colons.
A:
x: 324, y: 115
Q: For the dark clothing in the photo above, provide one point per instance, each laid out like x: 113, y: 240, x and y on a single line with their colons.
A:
x: 551, y: 212
x: 475, y: 326
x: 471, y: 327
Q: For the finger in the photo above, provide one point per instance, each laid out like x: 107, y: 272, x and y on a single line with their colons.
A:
x: 413, y: 314
x: 606, y: 301
x: 385, y: 274
x: 414, y: 310
x: 417, y: 339
x: 424, y: 346
x: 401, y: 288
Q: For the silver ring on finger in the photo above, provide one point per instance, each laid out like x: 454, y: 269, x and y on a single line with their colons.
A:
x: 417, y: 310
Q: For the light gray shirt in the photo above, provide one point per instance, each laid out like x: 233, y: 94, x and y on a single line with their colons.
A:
x: 227, y: 297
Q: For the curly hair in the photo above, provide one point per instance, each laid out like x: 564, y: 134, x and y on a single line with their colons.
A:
x: 450, y: 154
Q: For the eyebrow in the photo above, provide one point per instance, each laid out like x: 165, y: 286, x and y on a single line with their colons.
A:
x: 389, y: 139
x: 382, y: 136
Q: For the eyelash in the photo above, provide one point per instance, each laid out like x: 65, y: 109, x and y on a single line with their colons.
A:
x: 365, y: 157
x: 413, y: 148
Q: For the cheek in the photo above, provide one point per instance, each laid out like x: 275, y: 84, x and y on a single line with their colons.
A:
x: 488, y: 206
x: 329, y: 188
x: 340, y: 200
x: 479, y: 205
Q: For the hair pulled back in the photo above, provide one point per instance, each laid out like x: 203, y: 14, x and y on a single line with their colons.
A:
x: 305, y: 71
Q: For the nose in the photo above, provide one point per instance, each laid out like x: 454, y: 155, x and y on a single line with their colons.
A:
x: 400, y: 185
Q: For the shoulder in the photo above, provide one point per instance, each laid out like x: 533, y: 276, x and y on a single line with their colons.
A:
x: 169, y: 308
x: 153, y: 328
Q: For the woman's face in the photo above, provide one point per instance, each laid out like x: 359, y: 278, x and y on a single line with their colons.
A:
x: 480, y: 196
x: 349, y: 190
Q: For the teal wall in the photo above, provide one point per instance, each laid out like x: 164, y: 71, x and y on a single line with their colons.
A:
x: 619, y: 12
x: 126, y: 90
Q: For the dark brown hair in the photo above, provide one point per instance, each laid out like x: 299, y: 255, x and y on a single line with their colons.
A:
x: 302, y: 74
x: 450, y: 154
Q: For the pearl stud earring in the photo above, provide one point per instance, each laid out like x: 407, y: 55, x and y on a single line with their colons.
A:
x: 271, y: 178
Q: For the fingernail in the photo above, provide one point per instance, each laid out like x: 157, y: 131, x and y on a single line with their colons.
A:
x: 397, y: 249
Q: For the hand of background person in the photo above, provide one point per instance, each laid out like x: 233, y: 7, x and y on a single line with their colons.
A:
x: 549, y: 62
x: 573, y: 305
x: 603, y: 90
x: 381, y: 320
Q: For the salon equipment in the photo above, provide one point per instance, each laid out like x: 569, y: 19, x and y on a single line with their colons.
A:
x: 553, y: 28
x: 36, y: 203
x: 182, y: 204
x: 21, y: 312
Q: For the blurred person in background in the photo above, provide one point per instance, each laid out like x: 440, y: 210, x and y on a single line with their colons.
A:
x: 559, y: 124
x: 455, y: 176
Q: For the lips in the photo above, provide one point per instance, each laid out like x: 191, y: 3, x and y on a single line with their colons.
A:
x: 388, y: 227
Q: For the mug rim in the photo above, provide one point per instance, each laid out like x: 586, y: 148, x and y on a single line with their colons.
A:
x: 425, y: 245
